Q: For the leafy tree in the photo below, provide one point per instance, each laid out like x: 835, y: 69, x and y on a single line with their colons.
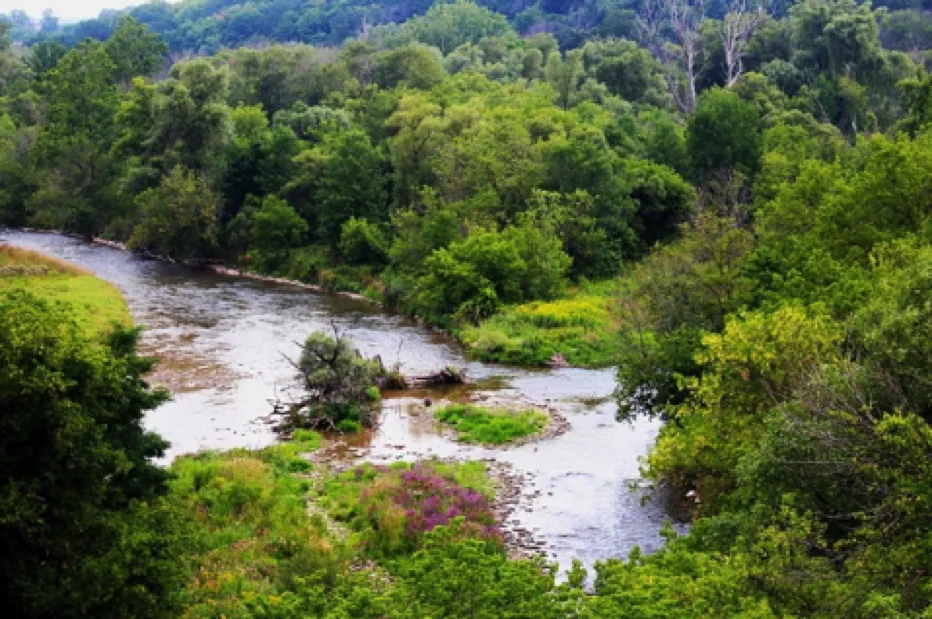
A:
x: 81, y: 104
x: 191, y: 121
x: 471, y: 278
x: 363, y: 243
x: 339, y: 383
x: 340, y: 178
x: 134, y: 50
x: 564, y: 75
x: 446, y: 26
x: 179, y: 218
x: 276, y: 228
x: 414, y: 66
x: 918, y: 95
x: 681, y: 291
x: 421, y: 230
x: 44, y: 56
x: 723, y: 134
x: 80, y: 494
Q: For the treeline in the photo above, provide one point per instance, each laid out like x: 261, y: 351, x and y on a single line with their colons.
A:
x: 207, y: 26
x: 446, y: 166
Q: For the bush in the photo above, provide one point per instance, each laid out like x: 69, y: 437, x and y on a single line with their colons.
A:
x: 363, y: 243
x: 82, y: 502
x: 339, y: 383
x: 276, y: 228
x: 401, y: 506
x: 475, y: 424
x: 255, y: 537
x: 581, y: 328
x: 471, y: 278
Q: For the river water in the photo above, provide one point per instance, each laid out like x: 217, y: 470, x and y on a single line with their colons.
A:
x: 226, y: 343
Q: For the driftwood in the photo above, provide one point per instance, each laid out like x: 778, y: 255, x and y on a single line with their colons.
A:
x: 450, y: 375
x: 394, y: 380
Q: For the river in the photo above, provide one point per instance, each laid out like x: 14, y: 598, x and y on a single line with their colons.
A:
x: 225, y: 343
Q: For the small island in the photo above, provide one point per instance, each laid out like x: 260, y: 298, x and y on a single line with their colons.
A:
x: 492, y: 426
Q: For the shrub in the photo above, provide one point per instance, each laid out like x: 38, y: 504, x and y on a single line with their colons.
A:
x: 339, y: 383
x: 401, y: 506
x: 471, y: 278
x: 349, y: 426
x: 363, y: 243
x: 475, y: 424
x: 582, y: 328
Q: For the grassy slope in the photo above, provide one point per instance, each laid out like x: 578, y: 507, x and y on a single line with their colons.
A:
x: 95, y: 304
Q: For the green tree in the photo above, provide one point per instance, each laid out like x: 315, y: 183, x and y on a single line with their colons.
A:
x: 564, y: 75
x: 471, y: 278
x: 340, y: 178
x: 276, y: 228
x: 134, y: 50
x: 414, y: 66
x: 81, y: 103
x: 85, y: 532
x: 918, y: 94
x: 723, y: 135
x: 680, y: 291
x: 179, y: 218
x: 363, y: 243
x: 191, y: 120
x: 446, y: 26
x: 339, y: 383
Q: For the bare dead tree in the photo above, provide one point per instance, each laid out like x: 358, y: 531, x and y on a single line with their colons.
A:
x: 736, y: 30
x: 649, y: 24
x: 686, y: 20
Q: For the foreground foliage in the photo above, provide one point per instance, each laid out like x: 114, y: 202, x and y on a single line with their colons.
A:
x: 82, y: 503
x: 760, y: 181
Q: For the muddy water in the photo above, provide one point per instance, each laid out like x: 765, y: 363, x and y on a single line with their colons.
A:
x: 225, y: 343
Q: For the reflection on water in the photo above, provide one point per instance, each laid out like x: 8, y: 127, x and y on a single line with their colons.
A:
x: 230, y: 339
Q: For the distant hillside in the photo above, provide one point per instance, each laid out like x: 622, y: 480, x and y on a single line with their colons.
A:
x: 208, y: 25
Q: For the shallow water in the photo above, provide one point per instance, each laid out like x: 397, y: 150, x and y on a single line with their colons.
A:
x: 226, y: 344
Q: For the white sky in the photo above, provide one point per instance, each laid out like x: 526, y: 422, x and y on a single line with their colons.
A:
x: 66, y: 10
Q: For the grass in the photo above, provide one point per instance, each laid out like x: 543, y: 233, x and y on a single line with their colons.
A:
x: 475, y: 424
x: 96, y: 305
x: 267, y: 538
x: 251, y: 528
x: 580, y: 327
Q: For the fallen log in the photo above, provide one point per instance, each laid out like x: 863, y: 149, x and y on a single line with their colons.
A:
x: 450, y: 375
x: 396, y: 381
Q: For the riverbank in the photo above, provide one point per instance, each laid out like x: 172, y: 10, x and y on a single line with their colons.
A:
x: 574, y: 495
x: 577, y: 330
x: 95, y: 305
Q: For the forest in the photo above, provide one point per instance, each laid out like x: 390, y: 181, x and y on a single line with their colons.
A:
x: 729, y: 202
